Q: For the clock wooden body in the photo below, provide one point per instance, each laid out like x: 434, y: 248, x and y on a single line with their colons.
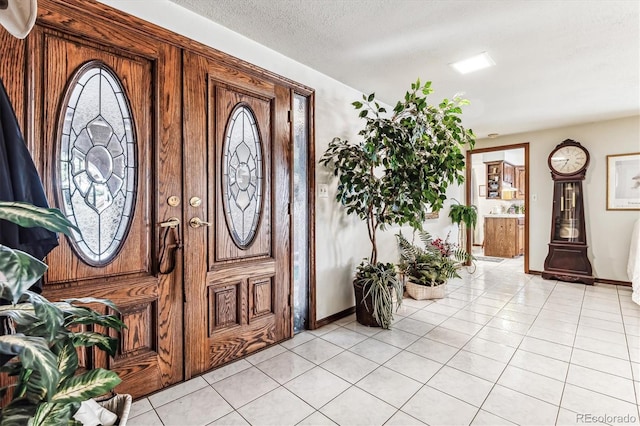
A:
x: 567, y: 259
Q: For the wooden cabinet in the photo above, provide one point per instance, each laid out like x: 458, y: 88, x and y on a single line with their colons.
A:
x: 503, y: 236
x: 520, y: 183
x: 508, y: 173
x: 500, y: 179
x: 520, y: 236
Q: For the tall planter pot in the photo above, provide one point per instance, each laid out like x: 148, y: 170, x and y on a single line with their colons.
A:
x: 364, y: 316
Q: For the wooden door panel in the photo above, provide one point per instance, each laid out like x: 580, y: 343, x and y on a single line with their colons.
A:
x: 240, y: 290
x: 226, y: 100
x: 63, y: 58
x: 150, y: 350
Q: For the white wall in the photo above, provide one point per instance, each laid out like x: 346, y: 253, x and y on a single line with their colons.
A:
x: 608, y: 232
x: 341, y: 241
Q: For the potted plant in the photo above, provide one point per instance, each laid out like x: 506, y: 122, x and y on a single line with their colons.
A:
x: 462, y: 214
x: 403, y: 165
x: 427, y: 268
x: 39, y: 350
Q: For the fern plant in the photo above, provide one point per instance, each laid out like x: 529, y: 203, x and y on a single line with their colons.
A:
x: 431, y: 264
x: 40, y: 348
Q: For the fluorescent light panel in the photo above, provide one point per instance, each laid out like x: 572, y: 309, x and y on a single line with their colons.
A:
x: 474, y: 63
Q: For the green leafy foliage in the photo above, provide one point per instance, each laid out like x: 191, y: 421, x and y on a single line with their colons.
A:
x: 34, y: 355
x: 404, y: 163
x: 41, y: 353
x: 462, y: 214
x: 398, y: 171
x: 87, y: 385
x: 54, y: 414
x: 29, y: 216
x: 380, y: 282
x: 431, y: 264
x: 20, y: 272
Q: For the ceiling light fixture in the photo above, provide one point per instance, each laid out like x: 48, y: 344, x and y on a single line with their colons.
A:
x: 474, y: 63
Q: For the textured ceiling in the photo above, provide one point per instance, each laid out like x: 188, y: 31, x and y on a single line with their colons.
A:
x: 557, y: 62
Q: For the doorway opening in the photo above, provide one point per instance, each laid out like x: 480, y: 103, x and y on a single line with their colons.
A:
x: 498, y: 185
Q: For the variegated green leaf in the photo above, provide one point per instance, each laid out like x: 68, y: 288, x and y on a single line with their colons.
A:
x: 48, y: 313
x: 30, y: 386
x: 19, y: 315
x: 36, y: 355
x: 21, y: 387
x: 88, y: 300
x: 83, y: 315
x: 52, y: 414
x: 27, y: 323
x: 17, y: 413
x: 91, y: 338
x: 67, y: 360
x: 29, y: 216
x: 103, y: 320
x: 88, y: 385
x: 20, y: 271
x: 35, y: 329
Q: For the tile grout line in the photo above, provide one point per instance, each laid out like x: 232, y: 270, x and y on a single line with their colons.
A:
x: 633, y: 378
x: 466, y: 305
x: 575, y: 337
x: 508, y: 362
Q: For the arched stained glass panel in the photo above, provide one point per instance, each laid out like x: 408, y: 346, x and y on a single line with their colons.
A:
x: 242, y: 175
x: 97, y: 173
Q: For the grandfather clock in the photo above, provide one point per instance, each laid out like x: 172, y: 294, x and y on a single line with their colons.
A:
x: 567, y: 259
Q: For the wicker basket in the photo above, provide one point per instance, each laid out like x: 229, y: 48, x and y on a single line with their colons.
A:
x: 119, y: 404
x: 423, y: 292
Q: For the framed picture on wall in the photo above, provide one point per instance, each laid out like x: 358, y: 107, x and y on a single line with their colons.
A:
x: 623, y: 181
x: 482, y: 190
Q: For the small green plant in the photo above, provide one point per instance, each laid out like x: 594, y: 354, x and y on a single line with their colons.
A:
x: 460, y: 215
x: 433, y: 263
x: 463, y: 214
x: 40, y: 351
x: 380, y: 281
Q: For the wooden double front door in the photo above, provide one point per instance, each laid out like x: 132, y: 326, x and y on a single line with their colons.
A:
x: 131, y: 133
x: 237, y: 266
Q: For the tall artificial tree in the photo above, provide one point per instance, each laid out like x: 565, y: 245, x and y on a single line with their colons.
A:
x: 399, y: 171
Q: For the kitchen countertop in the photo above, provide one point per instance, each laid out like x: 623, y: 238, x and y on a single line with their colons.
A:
x: 505, y: 215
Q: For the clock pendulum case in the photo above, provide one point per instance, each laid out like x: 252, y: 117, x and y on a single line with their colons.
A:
x: 567, y: 259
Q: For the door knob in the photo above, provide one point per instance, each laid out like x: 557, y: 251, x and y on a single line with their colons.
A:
x: 196, y: 222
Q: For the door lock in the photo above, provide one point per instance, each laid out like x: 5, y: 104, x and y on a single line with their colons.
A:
x: 196, y: 222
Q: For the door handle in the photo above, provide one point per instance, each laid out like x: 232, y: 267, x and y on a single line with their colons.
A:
x: 172, y: 222
x: 196, y: 222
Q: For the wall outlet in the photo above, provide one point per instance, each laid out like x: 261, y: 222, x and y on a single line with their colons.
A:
x: 323, y: 190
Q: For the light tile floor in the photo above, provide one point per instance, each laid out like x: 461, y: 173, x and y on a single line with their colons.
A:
x: 502, y: 348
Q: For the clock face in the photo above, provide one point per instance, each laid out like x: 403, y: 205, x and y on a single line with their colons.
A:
x: 568, y: 160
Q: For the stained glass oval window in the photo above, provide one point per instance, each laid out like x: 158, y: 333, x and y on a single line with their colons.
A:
x: 242, y: 175
x: 97, y: 173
